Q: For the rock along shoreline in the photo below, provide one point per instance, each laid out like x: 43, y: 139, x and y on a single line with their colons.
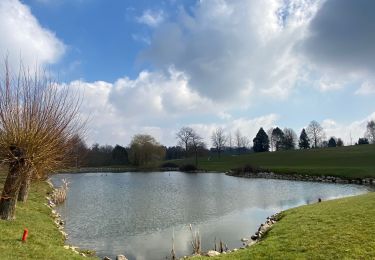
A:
x: 300, y: 177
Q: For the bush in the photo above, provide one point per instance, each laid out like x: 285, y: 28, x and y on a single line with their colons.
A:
x: 248, y: 168
x: 169, y: 165
x: 188, y: 168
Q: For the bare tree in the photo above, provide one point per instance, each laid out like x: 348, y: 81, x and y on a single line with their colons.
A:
x: 184, y: 137
x: 241, y: 141
x: 316, y: 133
x: 289, y: 139
x: 230, y: 140
x: 38, y: 120
x: 196, y: 143
x: 370, y: 131
x: 219, y: 140
x: 269, y: 133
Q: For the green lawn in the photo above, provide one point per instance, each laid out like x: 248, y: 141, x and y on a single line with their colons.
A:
x: 348, y: 162
x: 44, y: 240
x: 336, y: 229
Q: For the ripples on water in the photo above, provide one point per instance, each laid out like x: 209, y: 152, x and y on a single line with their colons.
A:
x: 135, y: 213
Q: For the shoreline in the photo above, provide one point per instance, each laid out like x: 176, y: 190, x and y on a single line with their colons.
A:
x: 301, y: 177
x: 59, y: 222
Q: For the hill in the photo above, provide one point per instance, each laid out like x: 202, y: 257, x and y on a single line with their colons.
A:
x: 347, y: 162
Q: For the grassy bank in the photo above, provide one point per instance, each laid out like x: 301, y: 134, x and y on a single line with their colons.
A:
x: 337, y: 229
x: 44, y: 240
x: 346, y: 162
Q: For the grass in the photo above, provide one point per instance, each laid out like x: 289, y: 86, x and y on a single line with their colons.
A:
x: 44, y: 240
x: 336, y: 229
x: 347, y: 162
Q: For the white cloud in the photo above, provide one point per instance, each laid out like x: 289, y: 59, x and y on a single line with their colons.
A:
x: 367, y: 88
x: 22, y: 37
x: 126, y: 107
x: 151, y: 18
x: 233, y: 51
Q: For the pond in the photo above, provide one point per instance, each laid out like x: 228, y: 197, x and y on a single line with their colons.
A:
x: 136, y: 214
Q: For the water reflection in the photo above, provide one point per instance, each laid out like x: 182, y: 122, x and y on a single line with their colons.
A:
x: 135, y: 213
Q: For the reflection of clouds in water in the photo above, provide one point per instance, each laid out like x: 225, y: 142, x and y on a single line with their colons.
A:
x: 134, y: 213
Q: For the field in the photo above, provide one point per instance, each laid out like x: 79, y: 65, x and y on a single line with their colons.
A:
x: 347, y: 162
x: 336, y: 229
x: 44, y: 240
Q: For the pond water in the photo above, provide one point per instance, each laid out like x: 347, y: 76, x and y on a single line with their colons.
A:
x: 136, y: 214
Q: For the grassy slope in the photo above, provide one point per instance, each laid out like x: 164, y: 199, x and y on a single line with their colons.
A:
x: 337, y: 229
x: 44, y: 241
x: 350, y: 162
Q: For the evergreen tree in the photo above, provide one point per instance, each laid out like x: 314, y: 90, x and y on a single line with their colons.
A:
x: 261, y: 141
x: 304, y: 141
x: 332, y: 142
x: 363, y: 141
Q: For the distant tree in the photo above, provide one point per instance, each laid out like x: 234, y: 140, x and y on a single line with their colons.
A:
x: 196, y: 144
x: 219, y: 140
x: 241, y: 141
x: 363, y: 141
x: 119, y: 155
x: 144, y: 149
x: 174, y: 152
x: 289, y: 139
x: 79, y: 151
x: 332, y: 142
x: 339, y: 142
x: 269, y: 133
x: 184, y: 137
x: 304, y: 141
x: 370, y: 131
x: 261, y: 141
x: 277, y: 138
x: 316, y: 133
x: 230, y: 141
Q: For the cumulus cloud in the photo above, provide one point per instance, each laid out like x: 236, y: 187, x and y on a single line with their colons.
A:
x: 145, y: 104
x: 22, y: 37
x: 234, y: 50
x: 151, y: 18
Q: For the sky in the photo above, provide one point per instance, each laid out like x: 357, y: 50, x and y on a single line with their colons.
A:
x: 152, y: 67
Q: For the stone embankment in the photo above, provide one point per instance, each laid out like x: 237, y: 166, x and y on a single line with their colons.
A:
x: 300, y: 177
x: 58, y: 221
x: 248, y: 242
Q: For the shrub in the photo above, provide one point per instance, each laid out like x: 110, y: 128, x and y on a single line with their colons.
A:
x: 188, y: 168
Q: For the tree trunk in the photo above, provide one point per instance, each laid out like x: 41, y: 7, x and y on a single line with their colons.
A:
x: 196, y: 159
x: 8, y: 198
x: 12, y: 184
x: 23, y: 193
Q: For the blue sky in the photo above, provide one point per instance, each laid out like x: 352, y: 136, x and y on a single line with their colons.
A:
x: 155, y: 66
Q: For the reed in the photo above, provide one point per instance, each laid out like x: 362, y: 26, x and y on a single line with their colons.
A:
x: 59, y: 195
x: 196, y: 240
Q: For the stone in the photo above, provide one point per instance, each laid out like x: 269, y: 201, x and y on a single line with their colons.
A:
x: 212, y: 253
x: 107, y: 258
x: 244, y: 239
x: 254, y: 237
x: 121, y: 257
x: 251, y: 243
